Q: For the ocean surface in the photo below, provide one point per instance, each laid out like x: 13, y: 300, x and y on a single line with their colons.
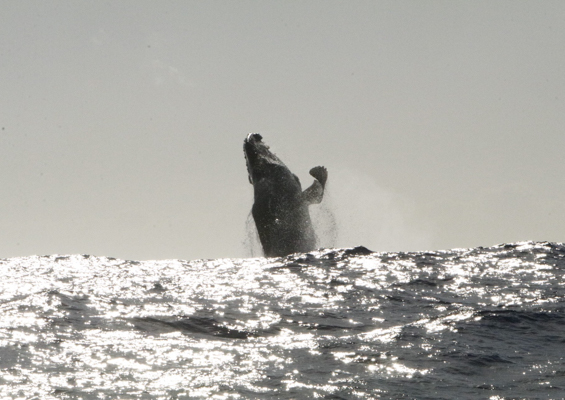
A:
x: 482, y: 323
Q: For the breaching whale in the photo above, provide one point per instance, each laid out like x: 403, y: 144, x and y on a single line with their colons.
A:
x: 280, y: 207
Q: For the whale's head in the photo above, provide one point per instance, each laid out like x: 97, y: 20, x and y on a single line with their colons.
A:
x: 260, y: 160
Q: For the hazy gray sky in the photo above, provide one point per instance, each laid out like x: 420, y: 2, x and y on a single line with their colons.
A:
x: 122, y: 122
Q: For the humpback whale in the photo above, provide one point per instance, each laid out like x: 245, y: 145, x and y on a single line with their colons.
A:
x: 280, y: 207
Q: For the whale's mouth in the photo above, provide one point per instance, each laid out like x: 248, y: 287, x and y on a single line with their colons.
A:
x: 253, y: 146
x: 254, y: 137
x: 258, y: 156
x: 251, y: 152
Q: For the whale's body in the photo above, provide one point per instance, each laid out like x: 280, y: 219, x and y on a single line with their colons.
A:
x: 280, y: 207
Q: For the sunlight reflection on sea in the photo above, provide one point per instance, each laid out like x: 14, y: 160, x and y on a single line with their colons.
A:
x: 469, y: 323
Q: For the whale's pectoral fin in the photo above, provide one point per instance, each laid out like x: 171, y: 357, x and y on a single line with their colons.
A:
x: 321, y: 174
x: 315, y: 193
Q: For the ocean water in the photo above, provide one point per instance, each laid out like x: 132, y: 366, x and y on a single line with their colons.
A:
x: 482, y: 323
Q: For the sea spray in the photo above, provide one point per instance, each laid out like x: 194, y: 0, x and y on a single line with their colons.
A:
x: 251, y: 242
x: 369, y: 214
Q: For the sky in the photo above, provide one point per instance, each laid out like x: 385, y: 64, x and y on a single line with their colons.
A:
x: 122, y: 123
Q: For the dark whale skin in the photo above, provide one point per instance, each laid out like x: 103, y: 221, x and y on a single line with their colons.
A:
x: 280, y: 207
